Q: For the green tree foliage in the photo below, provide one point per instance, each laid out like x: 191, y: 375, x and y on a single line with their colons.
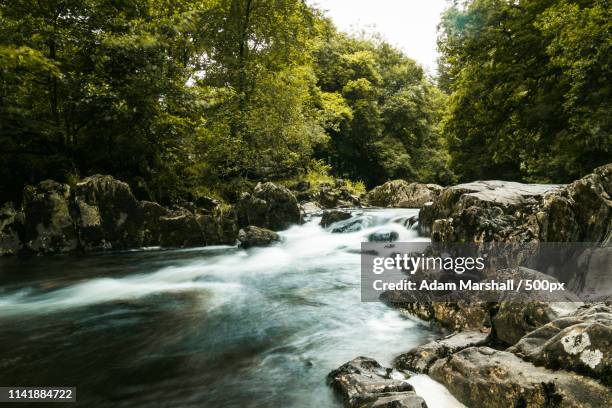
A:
x: 529, y: 85
x: 94, y: 86
x: 187, y: 97
x: 387, y: 112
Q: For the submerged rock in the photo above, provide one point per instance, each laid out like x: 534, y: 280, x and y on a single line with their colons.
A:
x: 422, y: 357
x: 488, y: 378
x: 333, y: 216
x: 269, y: 206
x: 252, y: 236
x: 400, y: 193
x: 363, y: 382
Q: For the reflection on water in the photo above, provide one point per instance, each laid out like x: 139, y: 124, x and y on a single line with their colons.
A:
x: 215, y: 326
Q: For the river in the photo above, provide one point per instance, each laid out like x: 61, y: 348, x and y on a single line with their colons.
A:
x: 204, y: 327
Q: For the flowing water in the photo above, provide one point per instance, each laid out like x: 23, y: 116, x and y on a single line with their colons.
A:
x: 205, y: 327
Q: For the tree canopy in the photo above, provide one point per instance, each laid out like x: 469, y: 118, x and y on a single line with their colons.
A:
x: 530, y: 88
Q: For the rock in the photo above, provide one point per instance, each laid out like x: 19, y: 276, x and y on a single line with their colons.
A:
x: 514, y: 319
x: 108, y: 214
x: 488, y: 378
x: 580, y: 212
x: 455, y: 315
x: 48, y: 225
x: 509, y: 211
x: 252, y: 236
x: 206, y: 203
x: 485, y: 211
x: 11, y: 225
x: 383, y: 236
x: 180, y: 229
x: 363, y: 382
x: 302, y: 186
x: 333, y: 216
x: 310, y: 207
x: 400, y: 193
x: 581, y: 342
x: 150, y: 214
x: 333, y: 196
x: 270, y: 206
x: 422, y: 357
x: 219, y: 226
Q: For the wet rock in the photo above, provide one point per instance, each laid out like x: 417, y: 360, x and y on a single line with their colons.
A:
x: 383, y: 236
x: 269, y: 206
x: 400, y: 193
x: 48, y: 224
x: 252, y: 236
x: 363, y: 382
x: 333, y: 216
x: 422, y: 357
x: 488, y: 378
x: 581, y: 342
x: 108, y: 215
x: 11, y: 225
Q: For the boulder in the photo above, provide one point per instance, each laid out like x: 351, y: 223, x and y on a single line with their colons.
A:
x: 485, y: 211
x: 252, y: 236
x: 48, y: 223
x: 508, y: 211
x: 581, y: 342
x: 453, y: 315
x: 420, y: 358
x: 515, y: 318
x: 310, y: 207
x: 400, y: 193
x: 206, y: 203
x: 580, y: 212
x: 108, y: 215
x: 383, y: 236
x: 219, y: 226
x: 269, y: 206
x: 488, y: 378
x: 180, y: 229
x: 363, y: 382
x: 333, y: 216
x: 11, y: 225
x: 336, y: 196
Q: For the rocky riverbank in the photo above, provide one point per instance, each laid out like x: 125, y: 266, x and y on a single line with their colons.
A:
x: 525, y: 353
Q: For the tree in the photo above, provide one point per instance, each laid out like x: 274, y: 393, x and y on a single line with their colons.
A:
x: 514, y: 100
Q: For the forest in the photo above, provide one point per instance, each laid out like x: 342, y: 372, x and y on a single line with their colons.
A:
x: 190, y: 98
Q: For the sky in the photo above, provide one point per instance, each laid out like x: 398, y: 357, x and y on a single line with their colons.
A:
x: 407, y: 24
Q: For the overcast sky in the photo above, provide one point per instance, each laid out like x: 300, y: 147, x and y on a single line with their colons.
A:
x: 408, y: 24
